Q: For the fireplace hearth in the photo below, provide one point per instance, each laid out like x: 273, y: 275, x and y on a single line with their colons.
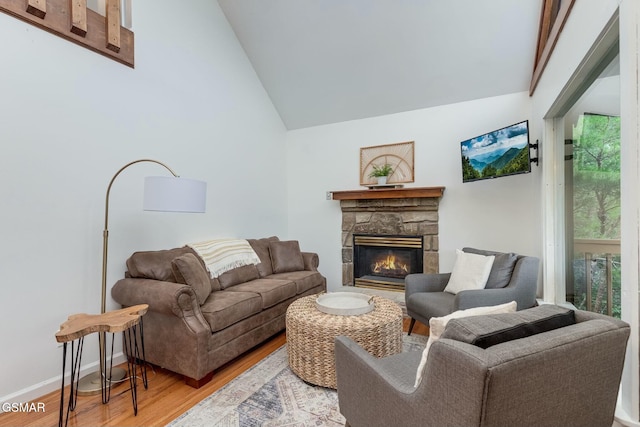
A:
x: 382, y: 262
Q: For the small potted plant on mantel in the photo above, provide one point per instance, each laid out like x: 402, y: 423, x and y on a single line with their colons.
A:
x: 382, y: 172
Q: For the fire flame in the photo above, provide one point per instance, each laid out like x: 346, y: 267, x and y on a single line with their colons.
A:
x: 389, y: 264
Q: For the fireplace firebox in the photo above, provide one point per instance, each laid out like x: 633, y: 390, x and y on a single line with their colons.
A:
x: 382, y: 262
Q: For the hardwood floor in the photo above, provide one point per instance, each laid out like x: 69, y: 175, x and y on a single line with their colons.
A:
x: 166, y: 398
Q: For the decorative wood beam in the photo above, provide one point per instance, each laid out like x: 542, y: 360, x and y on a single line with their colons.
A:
x: 79, y: 17
x: 556, y: 29
x: 113, y: 25
x: 545, y: 28
x: 58, y: 21
x: 37, y: 8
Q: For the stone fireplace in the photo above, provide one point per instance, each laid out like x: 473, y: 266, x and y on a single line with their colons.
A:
x: 395, y: 229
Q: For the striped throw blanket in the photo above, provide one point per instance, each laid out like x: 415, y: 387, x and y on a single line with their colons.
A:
x: 222, y: 255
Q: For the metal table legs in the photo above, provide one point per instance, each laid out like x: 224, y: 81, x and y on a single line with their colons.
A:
x: 133, y: 343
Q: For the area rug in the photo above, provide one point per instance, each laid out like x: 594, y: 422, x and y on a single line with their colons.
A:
x: 270, y: 395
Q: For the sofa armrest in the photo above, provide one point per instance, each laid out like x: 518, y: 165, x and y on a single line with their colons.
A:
x: 371, y: 392
x: 354, y: 365
x: 311, y: 261
x: 164, y: 297
x: 420, y: 282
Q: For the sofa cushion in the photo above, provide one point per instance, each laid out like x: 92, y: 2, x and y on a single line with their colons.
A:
x: 223, y: 309
x: 189, y: 270
x: 438, y: 325
x: 304, y: 280
x: 238, y: 275
x: 502, y: 268
x: 271, y: 291
x: 286, y: 256
x: 261, y: 247
x: 470, y: 271
x: 498, y: 328
x: 155, y: 264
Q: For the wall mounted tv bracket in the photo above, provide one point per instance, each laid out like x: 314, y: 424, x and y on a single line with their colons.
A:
x: 535, y: 147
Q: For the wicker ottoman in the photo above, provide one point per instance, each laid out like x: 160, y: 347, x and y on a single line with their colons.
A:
x: 311, y: 334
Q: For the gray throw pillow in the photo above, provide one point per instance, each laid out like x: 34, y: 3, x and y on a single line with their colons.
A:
x: 502, y: 268
x: 492, y: 329
x: 525, y: 329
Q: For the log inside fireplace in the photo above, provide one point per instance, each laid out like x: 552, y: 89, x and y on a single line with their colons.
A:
x: 382, y: 261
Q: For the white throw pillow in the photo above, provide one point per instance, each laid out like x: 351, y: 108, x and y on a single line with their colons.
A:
x: 470, y: 271
x: 437, y: 325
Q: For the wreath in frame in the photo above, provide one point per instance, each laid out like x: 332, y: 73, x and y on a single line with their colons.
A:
x: 398, y: 156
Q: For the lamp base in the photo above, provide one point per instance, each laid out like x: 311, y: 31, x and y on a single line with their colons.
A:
x: 90, y: 384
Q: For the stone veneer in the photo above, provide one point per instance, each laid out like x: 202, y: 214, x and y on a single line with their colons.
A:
x: 415, y: 216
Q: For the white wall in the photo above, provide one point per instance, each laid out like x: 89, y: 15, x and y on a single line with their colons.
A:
x: 499, y: 214
x: 587, y: 21
x: 69, y: 119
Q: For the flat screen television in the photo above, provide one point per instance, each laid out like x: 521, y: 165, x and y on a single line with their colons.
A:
x: 502, y: 152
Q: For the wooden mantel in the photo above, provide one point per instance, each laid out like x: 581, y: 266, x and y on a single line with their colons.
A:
x: 389, y: 193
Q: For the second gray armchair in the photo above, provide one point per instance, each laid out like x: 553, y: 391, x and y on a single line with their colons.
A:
x: 513, y: 277
x: 567, y: 376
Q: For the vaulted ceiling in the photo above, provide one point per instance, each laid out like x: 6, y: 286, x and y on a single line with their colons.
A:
x: 327, y: 61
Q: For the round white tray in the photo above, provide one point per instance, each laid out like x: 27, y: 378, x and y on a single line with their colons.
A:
x: 345, y: 303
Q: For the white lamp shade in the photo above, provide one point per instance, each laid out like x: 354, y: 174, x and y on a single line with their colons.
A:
x: 174, y: 194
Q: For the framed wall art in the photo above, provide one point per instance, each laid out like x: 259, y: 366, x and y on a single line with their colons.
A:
x: 397, y: 157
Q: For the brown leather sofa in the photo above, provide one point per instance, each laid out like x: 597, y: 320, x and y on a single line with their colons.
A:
x: 195, y: 324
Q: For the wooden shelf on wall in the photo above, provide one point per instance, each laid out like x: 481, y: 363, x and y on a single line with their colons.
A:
x: 72, y: 21
x: 389, y: 193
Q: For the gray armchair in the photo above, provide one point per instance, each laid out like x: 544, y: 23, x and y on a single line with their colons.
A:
x: 567, y: 376
x: 513, y: 278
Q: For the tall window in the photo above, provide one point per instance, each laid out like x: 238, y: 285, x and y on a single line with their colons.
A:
x: 592, y: 196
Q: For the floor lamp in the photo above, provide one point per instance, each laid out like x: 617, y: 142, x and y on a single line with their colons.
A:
x: 161, y: 193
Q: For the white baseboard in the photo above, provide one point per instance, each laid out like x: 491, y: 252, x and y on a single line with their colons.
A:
x: 621, y: 417
x: 32, y: 393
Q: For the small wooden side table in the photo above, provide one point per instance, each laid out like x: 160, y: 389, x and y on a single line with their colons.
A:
x: 78, y: 326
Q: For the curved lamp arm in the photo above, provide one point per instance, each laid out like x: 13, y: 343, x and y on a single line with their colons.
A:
x: 169, y: 194
x: 105, y: 233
